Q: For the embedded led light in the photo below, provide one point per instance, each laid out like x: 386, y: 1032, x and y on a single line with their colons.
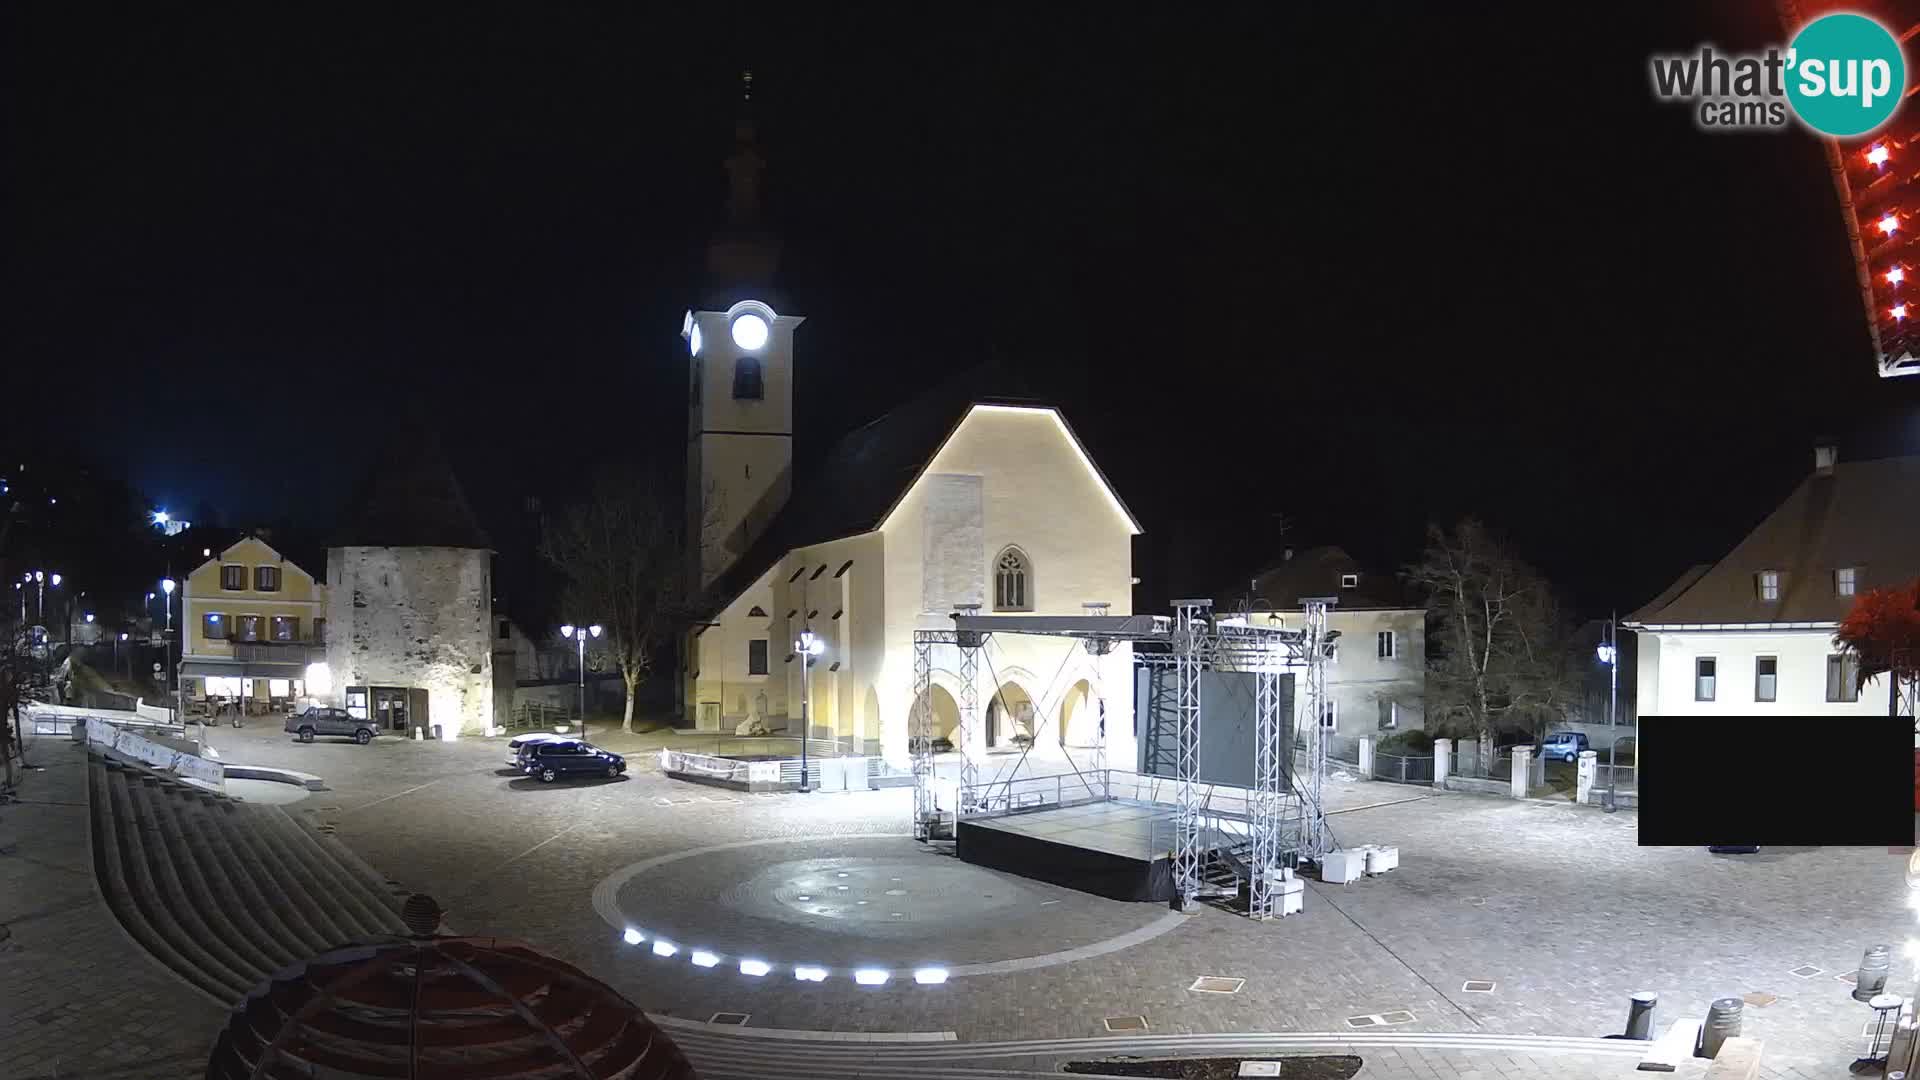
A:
x: 664, y: 948
x: 1899, y: 311
x: 871, y: 976
x: 702, y: 958
x: 755, y: 968
x: 1896, y: 275
x: 1877, y: 155
x: 930, y: 976
x: 750, y: 332
x: 693, y: 339
x: 1888, y: 224
x: 633, y: 937
x: 810, y: 974
x: 804, y: 897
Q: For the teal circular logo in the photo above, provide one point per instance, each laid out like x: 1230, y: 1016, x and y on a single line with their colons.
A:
x: 1845, y: 75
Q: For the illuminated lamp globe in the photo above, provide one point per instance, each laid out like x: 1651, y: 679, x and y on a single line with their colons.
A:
x: 750, y: 332
x: 1877, y: 155
x: 1888, y: 224
x: 594, y: 629
x: 167, y: 586
x: 566, y: 630
x: 1896, y: 275
x: 693, y: 339
x: 55, y: 579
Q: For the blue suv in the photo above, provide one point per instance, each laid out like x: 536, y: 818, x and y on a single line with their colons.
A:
x: 552, y: 760
x: 1563, y: 746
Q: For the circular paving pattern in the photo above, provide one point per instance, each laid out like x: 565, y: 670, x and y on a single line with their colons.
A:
x: 861, y: 903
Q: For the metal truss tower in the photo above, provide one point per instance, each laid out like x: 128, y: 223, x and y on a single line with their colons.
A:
x: 1312, y: 842
x: 1192, y: 654
x: 1265, y: 810
x: 920, y: 738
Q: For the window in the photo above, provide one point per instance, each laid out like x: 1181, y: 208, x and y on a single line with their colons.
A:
x: 319, y: 631
x: 266, y: 579
x: 1843, y: 581
x: 1012, y: 582
x: 505, y: 631
x: 286, y: 628
x: 213, y: 626
x: 1843, y: 678
x: 233, y: 578
x: 1384, y: 644
x: 1330, y: 715
x: 757, y: 612
x: 1769, y: 582
x: 1389, y: 715
x: 1766, y: 678
x: 757, y: 656
x: 1349, y: 581
x: 1704, y: 670
x: 747, y: 384
x: 247, y: 627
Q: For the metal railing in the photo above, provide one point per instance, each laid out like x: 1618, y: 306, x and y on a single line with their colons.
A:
x: 994, y: 798
x: 1403, y: 768
x: 1603, y: 777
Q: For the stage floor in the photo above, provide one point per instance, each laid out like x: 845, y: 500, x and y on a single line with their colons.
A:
x: 1113, y: 828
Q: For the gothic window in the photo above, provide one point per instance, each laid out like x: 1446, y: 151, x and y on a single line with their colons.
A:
x: 1012, y: 581
x: 746, y: 379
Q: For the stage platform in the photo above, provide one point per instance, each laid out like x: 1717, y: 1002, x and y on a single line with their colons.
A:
x: 1118, y: 849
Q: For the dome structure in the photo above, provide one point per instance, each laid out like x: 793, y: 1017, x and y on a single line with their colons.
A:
x: 441, y: 1008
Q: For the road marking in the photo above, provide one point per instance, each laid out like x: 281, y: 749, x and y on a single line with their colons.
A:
x: 395, y: 795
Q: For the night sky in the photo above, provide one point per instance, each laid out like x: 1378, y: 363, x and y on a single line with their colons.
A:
x: 1361, y: 273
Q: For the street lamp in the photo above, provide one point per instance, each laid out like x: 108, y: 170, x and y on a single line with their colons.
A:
x: 809, y: 646
x: 167, y: 586
x: 580, y: 634
x: 1609, y: 653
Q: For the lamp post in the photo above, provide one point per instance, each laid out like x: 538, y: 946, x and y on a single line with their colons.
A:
x: 580, y: 634
x: 179, y: 709
x: 809, y: 646
x: 1609, y: 653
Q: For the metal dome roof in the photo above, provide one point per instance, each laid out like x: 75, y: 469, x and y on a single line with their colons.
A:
x: 440, y: 1008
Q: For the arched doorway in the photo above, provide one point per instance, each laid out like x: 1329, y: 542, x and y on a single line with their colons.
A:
x: 1010, y: 713
x: 946, y: 715
x: 1079, y: 716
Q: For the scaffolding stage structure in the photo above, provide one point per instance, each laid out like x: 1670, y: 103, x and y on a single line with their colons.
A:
x: 1280, y: 818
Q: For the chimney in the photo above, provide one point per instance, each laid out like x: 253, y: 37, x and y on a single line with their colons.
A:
x: 1824, y: 456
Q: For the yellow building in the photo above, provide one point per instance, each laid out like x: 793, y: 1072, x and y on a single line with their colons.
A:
x: 254, y: 623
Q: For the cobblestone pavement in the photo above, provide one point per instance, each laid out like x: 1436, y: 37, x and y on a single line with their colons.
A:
x: 1552, y: 903
x: 78, y: 999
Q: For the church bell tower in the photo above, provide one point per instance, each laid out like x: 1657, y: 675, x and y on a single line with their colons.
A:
x: 740, y: 396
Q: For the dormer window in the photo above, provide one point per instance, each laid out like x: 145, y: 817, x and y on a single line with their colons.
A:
x: 1768, y: 582
x: 233, y: 578
x: 1844, y: 581
x: 747, y: 382
x: 1349, y: 581
x: 266, y: 579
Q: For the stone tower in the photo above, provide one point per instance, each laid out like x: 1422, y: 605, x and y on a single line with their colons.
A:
x: 740, y: 385
x: 410, y: 603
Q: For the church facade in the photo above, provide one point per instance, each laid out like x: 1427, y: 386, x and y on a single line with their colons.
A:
x: 959, y: 499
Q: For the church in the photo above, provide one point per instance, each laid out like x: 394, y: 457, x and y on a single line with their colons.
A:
x: 959, y: 500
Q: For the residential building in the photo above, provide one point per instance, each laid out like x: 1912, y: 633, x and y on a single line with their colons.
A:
x: 1377, y: 667
x: 1752, y: 634
x: 253, y: 621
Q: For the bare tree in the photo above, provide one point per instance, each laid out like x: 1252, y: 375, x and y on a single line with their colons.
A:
x: 1505, y: 654
x: 622, y: 552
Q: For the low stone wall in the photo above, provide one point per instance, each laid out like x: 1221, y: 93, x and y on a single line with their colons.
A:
x: 1479, y: 787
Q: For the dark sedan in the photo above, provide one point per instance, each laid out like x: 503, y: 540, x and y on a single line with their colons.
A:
x: 549, y: 761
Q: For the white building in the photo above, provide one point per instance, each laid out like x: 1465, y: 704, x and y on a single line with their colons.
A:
x: 1377, y: 670
x: 958, y: 498
x: 1753, y: 633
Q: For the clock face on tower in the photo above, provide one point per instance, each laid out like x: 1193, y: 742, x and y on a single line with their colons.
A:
x: 750, y: 332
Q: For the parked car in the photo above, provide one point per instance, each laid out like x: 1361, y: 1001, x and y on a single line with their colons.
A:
x: 317, y: 720
x: 1563, y: 746
x: 549, y: 761
x: 520, y: 742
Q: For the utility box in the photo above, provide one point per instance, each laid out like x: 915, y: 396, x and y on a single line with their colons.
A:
x: 1340, y: 867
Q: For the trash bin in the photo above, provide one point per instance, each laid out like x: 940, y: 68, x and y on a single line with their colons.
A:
x: 1872, y: 978
x: 1723, y: 1023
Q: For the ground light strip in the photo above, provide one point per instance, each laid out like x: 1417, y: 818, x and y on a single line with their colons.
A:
x: 929, y: 975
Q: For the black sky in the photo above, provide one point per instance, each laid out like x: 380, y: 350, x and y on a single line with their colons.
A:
x: 1363, y: 270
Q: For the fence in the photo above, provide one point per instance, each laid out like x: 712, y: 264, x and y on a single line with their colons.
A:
x: 530, y: 715
x: 1468, y: 762
x: 1344, y: 749
x: 775, y: 745
x: 1603, y: 777
x: 1403, y: 768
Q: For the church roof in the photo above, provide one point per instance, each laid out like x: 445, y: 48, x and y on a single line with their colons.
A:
x: 852, y: 490
x: 411, y: 498
x: 1860, y: 515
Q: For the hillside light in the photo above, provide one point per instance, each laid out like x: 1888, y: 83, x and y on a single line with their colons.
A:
x: 1877, y: 155
x: 809, y: 646
x: 1899, y: 311
x: 750, y: 332
x: 1896, y: 275
x: 1888, y: 224
x: 159, y: 517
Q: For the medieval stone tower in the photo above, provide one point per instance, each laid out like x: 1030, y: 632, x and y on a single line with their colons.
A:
x: 410, y: 599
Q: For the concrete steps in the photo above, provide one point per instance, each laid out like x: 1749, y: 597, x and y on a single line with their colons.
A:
x: 223, y: 893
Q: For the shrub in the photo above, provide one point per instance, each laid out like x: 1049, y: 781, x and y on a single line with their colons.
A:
x: 1407, y: 742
